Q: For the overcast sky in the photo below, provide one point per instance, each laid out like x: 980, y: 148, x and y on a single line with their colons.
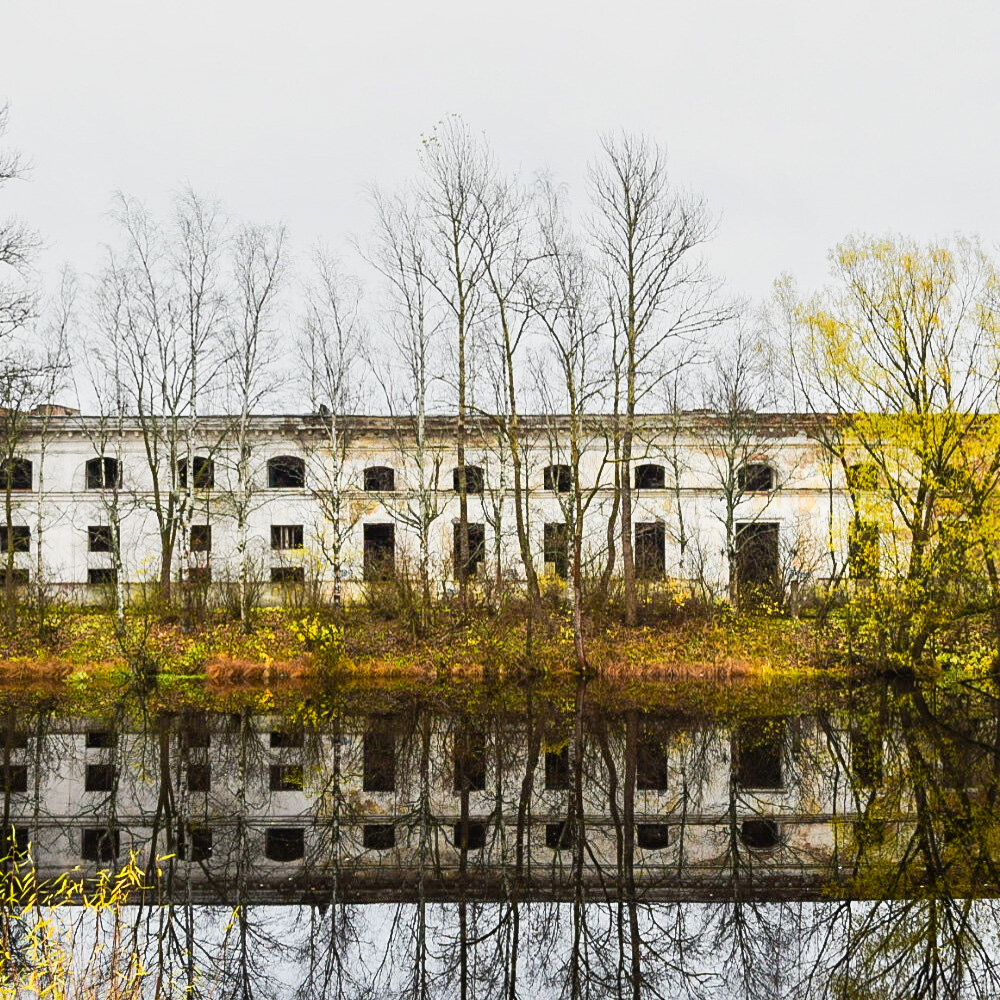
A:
x: 799, y: 122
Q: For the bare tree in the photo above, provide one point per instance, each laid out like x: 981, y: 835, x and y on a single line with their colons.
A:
x: 647, y: 234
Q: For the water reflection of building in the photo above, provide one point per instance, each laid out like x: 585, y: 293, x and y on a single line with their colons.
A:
x: 394, y: 806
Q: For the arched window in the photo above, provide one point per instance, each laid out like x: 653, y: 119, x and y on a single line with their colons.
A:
x: 760, y: 834
x: 862, y: 477
x: 15, y: 474
x: 755, y: 477
x: 103, y: 474
x: 379, y: 479
x: 286, y: 472
x: 204, y: 472
x: 650, y: 477
x: 474, y: 480
x: 558, y: 478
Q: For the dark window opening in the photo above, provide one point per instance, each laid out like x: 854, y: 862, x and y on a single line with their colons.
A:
x: 16, y: 537
x: 650, y: 762
x: 650, y: 550
x: 470, y: 836
x: 379, y: 764
x: 475, y: 481
x: 755, y: 477
x: 555, y: 549
x: 557, y: 769
x: 199, y: 777
x: 14, y: 778
x: 477, y: 548
x: 102, y: 575
x: 559, y: 836
x: 652, y: 836
x: 286, y: 472
x: 378, y: 836
x: 204, y: 473
x: 15, y: 739
x: 284, y: 843
x: 286, y: 778
x: 99, y: 778
x: 101, y: 739
x: 558, y: 478
x: 17, y: 577
x: 470, y: 760
x: 195, y: 734
x: 286, y: 536
x: 287, y: 739
x: 100, y: 844
x: 379, y: 479
x: 199, y: 574
x: 200, y: 840
x: 863, y: 550
x: 201, y: 538
x: 100, y: 538
x: 760, y: 834
x: 760, y: 749
x: 380, y: 551
x: 288, y: 574
x: 650, y: 477
x: 757, y: 577
x: 103, y: 474
x: 869, y: 831
x: 15, y: 474
x: 862, y: 477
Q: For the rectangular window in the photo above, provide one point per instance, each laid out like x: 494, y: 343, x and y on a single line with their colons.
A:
x: 101, y: 575
x: 470, y: 760
x: 15, y: 536
x: 760, y: 749
x: 99, y: 538
x: 286, y: 778
x: 101, y: 739
x: 199, y: 777
x: 651, y: 760
x: 18, y: 577
x: 99, y: 778
x: 379, y: 765
x: 863, y: 550
x: 14, y: 778
x: 557, y: 769
x: 380, y: 551
x: 650, y: 550
x: 200, y: 838
x: 201, y: 538
x: 288, y: 574
x: 286, y: 536
x: 556, y: 549
x: 282, y: 739
x: 199, y: 574
x: 378, y: 836
x: 101, y: 845
x: 477, y: 548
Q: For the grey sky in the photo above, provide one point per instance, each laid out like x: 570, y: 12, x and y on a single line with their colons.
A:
x: 798, y: 122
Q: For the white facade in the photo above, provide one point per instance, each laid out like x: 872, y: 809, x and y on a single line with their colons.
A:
x: 54, y: 516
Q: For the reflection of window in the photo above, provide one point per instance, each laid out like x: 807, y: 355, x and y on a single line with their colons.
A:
x: 555, y: 546
x: 286, y: 778
x: 99, y: 778
x: 760, y: 834
x: 470, y: 836
x: 755, y: 477
x: 101, y: 739
x: 379, y: 836
x: 379, y: 758
x: 16, y: 537
x: 557, y: 769
x: 558, y: 478
x: 866, y: 759
x: 14, y: 778
x: 199, y: 777
x: 286, y: 472
x: 200, y: 838
x: 650, y: 477
x: 559, y: 836
x: 760, y: 745
x: 100, y: 844
x: 287, y: 739
x: 379, y: 479
x: 284, y: 843
x: 204, y: 472
x: 863, y: 550
x: 15, y: 474
x: 651, y: 761
x: 470, y: 760
x: 652, y: 836
x: 474, y: 480
x: 286, y: 536
x: 103, y: 474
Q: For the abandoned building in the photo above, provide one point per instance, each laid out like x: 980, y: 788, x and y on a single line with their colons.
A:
x: 304, y: 499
